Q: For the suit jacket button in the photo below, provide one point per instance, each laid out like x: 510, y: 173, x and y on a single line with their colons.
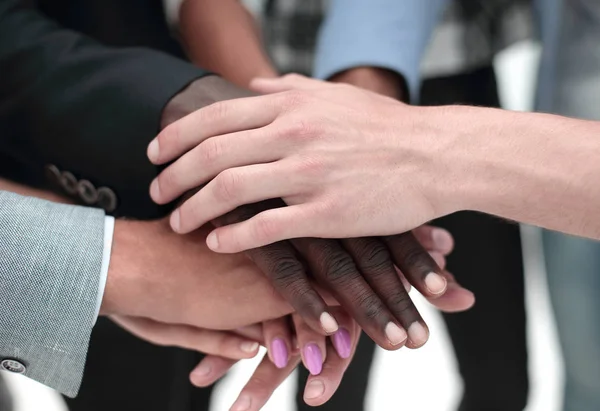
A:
x: 53, y: 174
x: 87, y: 192
x: 107, y: 199
x: 14, y: 366
x: 68, y: 182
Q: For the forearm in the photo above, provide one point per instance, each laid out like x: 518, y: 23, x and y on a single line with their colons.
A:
x: 222, y: 36
x: 534, y: 168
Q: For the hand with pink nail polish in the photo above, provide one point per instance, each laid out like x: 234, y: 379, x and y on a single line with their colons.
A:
x: 327, y: 359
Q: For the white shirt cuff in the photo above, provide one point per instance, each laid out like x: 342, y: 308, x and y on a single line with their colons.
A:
x: 109, y: 227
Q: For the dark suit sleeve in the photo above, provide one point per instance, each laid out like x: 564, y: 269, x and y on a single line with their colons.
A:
x: 69, y: 101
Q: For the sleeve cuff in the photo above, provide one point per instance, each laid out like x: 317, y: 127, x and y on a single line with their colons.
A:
x: 109, y: 228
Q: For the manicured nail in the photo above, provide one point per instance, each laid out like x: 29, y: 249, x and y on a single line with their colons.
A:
x: 242, y: 404
x: 418, y: 334
x: 176, y: 221
x: 154, y: 189
x: 342, y: 343
x: 249, y: 347
x: 328, y: 323
x: 435, y: 283
x: 395, y: 334
x: 279, y: 352
x: 212, y: 241
x: 313, y: 358
x: 442, y: 239
x: 153, y: 151
x: 314, y: 389
x: 202, y: 370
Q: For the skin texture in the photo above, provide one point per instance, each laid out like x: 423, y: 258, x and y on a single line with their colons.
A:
x: 385, y: 166
x: 359, y: 273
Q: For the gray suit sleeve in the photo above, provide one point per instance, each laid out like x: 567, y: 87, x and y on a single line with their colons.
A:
x: 50, y: 264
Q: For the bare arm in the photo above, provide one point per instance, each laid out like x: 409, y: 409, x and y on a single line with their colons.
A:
x: 222, y: 36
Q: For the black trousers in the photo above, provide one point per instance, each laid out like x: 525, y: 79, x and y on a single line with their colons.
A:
x: 489, y: 340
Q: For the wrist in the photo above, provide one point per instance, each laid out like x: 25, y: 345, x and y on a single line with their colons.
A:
x: 199, y: 93
x: 375, y: 79
x: 123, y: 267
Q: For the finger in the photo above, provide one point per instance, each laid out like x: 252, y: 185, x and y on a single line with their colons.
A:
x: 211, y: 157
x: 265, y: 228
x: 281, y: 265
x: 434, y: 239
x: 284, y: 83
x: 279, y: 340
x: 262, y: 384
x: 319, y: 389
x: 417, y: 265
x: 210, y: 370
x: 455, y: 299
x: 375, y: 263
x: 233, y: 188
x: 439, y: 259
x: 216, y: 119
x: 312, y: 345
x: 333, y: 267
x: 221, y: 343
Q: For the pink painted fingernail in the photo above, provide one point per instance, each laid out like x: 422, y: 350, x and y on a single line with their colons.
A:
x: 313, y: 358
x: 342, y: 343
x: 279, y: 352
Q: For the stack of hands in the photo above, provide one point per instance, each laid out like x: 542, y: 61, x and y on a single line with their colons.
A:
x: 303, y: 298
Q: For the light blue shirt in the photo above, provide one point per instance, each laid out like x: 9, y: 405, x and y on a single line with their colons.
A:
x: 390, y: 34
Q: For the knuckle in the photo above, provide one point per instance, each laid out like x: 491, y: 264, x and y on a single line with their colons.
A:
x: 265, y: 227
x: 210, y: 151
x: 401, y: 302
x: 258, y: 388
x: 339, y: 267
x: 215, y: 111
x: 310, y: 166
x: 370, y: 305
x: 374, y: 257
x: 293, y: 99
x: 227, y: 187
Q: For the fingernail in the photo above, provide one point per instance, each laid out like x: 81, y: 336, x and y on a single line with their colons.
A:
x: 435, y: 283
x: 314, y: 389
x: 249, y: 347
x: 417, y: 334
x: 176, y: 221
x: 242, y: 404
x: 153, y: 151
x: 212, y: 241
x: 342, y: 343
x: 154, y: 189
x: 328, y: 323
x: 395, y: 334
x: 442, y: 239
x: 279, y: 352
x: 202, y: 370
x: 313, y: 358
